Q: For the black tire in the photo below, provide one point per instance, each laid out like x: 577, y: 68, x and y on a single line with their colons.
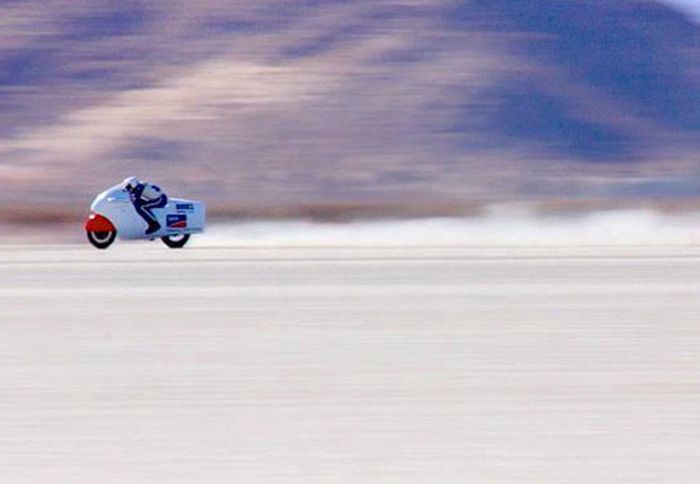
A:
x: 176, y: 241
x: 101, y: 240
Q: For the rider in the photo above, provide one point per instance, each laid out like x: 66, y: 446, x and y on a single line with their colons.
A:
x: 146, y: 197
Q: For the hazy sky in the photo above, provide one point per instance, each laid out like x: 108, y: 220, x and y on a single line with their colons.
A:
x: 690, y: 6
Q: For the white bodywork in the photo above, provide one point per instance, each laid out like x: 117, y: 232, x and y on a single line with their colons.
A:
x: 115, y: 205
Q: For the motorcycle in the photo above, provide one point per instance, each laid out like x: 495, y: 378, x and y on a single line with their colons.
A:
x: 113, y: 214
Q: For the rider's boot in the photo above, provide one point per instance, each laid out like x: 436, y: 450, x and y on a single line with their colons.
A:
x: 153, y: 228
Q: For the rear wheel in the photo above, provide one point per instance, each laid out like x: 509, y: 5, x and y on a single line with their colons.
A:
x: 176, y: 241
x: 101, y: 240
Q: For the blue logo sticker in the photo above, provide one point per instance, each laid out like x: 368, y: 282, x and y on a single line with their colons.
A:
x: 176, y: 221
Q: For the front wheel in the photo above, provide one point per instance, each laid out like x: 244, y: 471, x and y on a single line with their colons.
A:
x: 101, y: 240
x: 176, y: 241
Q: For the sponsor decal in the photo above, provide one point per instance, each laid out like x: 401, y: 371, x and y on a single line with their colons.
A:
x: 176, y: 221
x: 185, y: 207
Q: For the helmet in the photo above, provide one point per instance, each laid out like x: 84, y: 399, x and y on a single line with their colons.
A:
x: 131, y: 183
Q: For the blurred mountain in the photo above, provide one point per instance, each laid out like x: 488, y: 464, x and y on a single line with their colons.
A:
x: 275, y: 103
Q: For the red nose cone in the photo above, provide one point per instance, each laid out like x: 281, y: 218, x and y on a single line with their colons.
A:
x: 98, y: 223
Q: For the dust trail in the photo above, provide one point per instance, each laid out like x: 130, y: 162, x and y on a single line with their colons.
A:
x: 498, y: 227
